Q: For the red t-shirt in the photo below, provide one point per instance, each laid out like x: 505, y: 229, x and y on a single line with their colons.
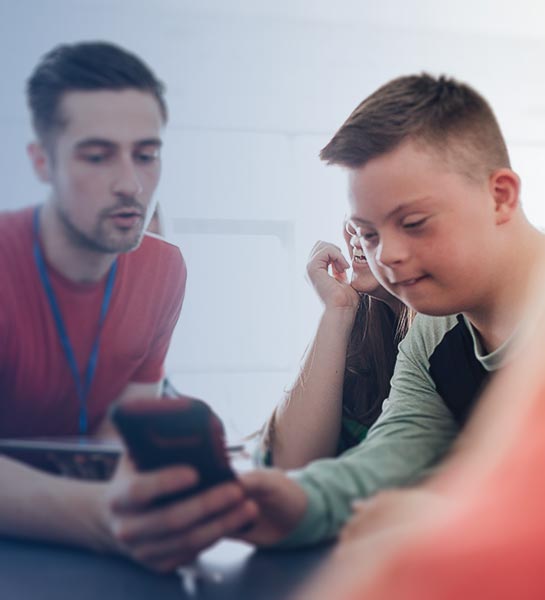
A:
x: 37, y: 390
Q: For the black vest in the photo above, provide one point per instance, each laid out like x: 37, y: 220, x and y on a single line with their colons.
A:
x: 458, y: 376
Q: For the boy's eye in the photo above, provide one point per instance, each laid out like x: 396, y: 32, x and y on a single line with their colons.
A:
x: 414, y: 224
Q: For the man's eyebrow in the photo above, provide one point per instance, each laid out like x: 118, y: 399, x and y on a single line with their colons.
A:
x: 108, y: 144
x: 93, y: 142
x: 149, y: 142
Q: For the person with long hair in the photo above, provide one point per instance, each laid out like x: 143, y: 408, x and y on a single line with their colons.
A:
x: 345, y: 375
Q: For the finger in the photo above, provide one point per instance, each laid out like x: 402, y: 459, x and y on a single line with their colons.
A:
x: 341, y: 277
x: 178, y: 516
x: 176, y: 550
x: 260, y: 482
x: 139, y: 490
x: 320, y: 246
x: 324, y: 252
x: 340, y: 264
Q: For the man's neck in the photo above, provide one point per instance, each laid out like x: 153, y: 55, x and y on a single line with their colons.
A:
x: 77, y: 264
x: 498, y: 316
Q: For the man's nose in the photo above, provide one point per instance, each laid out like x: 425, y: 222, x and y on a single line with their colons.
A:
x: 127, y: 179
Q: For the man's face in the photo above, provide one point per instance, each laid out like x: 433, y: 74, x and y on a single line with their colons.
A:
x: 427, y: 231
x: 104, y: 166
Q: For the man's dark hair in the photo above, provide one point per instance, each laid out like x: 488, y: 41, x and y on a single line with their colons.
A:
x: 438, y: 112
x: 86, y: 66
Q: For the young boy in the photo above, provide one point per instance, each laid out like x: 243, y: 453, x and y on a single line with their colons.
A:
x: 436, y: 206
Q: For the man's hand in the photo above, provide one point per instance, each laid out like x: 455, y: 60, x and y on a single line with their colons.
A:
x: 163, y: 538
x: 281, y: 504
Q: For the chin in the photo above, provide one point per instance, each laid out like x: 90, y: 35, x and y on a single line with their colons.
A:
x: 431, y: 309
x: 364, y: 284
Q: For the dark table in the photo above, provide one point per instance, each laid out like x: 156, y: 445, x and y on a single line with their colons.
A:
x: 231, y: 570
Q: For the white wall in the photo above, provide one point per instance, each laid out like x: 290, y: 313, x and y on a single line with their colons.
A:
x: 255, y: 90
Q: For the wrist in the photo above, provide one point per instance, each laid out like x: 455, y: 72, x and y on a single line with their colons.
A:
x: 95, y: 505
x: 340, y: 316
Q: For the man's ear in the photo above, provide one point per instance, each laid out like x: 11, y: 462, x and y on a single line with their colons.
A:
x: 40, y: 160
x: 505, y: 189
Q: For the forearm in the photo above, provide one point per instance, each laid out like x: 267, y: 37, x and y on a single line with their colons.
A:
x: 307, y: 423
x: 36, y: 505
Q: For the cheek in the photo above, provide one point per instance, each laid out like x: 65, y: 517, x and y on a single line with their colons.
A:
x: 375, y: 269
x: 83, y: 183
x: 150, y: 179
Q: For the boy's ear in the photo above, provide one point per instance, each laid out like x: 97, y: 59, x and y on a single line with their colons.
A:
x: 40, y: 161
x: 505, y: 190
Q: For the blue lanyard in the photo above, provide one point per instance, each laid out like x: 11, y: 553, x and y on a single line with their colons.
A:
x: 82, y: 388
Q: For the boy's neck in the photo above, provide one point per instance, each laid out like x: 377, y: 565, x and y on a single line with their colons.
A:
x: 498, y: 316
x: 80, y: 265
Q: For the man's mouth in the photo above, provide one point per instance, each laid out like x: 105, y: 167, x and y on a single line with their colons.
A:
x: 126, y: 218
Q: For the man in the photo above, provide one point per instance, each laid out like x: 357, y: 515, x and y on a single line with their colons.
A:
x: 436, y: 207
x: 84, y: 251
x: 88, y: 306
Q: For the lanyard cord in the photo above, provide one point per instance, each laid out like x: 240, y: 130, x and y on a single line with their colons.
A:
x: 82, y: 388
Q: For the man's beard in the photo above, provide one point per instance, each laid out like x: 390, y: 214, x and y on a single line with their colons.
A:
x: 99, y: 241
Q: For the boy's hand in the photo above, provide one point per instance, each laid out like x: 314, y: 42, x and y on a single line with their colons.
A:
x: 280, y: 505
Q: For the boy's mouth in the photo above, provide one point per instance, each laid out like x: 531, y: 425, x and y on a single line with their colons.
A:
x: 408, y: 282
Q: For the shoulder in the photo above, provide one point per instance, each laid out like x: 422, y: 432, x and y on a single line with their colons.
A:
x: 14, y: 223
x: 15, y: 237
x: 158, y: 253
x: 425, y: 334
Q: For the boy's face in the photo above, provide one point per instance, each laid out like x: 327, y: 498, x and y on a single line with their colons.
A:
x: 104, y: 167
x: 427, y: 231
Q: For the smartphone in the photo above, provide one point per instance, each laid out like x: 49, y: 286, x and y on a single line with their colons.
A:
x: 171, y: 431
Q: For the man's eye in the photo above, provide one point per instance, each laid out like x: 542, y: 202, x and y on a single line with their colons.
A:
x: 368, y: 236
x: 146, y: 157
x: 94, y: 158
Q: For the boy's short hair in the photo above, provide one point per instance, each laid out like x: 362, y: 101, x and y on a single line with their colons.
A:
x: 86, y: 66
x: 437, y: 112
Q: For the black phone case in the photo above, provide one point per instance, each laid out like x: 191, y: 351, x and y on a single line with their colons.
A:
x: 182, y: 430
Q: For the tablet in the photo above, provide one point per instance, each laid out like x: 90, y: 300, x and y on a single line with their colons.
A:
x: 79, y: 457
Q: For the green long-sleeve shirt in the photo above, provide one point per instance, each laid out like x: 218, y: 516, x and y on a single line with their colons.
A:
x: 414, y: 431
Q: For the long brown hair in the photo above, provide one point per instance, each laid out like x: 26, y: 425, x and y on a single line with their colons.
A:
x: 370, y: 360
x: 371, y: 357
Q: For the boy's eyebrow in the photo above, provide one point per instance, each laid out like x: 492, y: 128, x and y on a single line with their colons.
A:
x: 393, y: 212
